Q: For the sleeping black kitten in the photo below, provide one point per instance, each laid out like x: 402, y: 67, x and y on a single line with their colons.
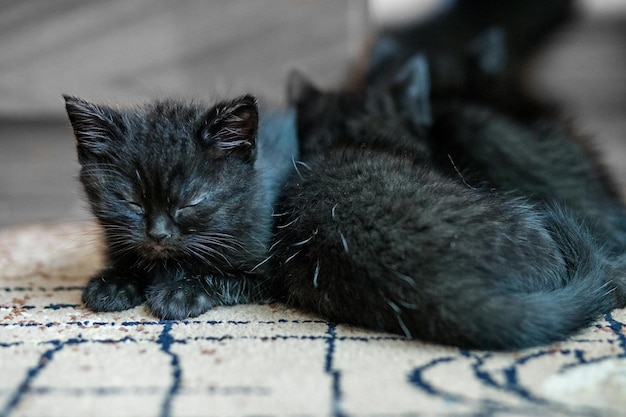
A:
x: 453, y: 213
x: 371, y: 232
x: 184, y: 194
x: 487, y: 127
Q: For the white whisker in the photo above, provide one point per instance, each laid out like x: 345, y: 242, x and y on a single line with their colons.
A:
x: 274, y: 245
x: 284, y: 226
x: 291, y: 257
x: 316, y: 274
x: 398, y: 311
x: 303, y: 242
x: 260, y: 263
x: 344, y: 242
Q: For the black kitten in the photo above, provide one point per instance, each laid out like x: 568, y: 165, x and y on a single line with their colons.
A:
x: 184, y: 193
x: 373, y: 233
x: 442, y: 202
x: 474, y: 47
x: 486, y: 127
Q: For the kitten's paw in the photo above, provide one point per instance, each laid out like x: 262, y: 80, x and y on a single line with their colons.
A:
x: 179, y: 299
x: 106, y: 293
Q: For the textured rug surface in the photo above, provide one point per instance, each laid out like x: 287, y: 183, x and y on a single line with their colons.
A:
x: 58, y: 359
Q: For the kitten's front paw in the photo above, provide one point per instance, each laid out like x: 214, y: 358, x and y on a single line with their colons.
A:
x: 179, y: 299
x: 110, y: 293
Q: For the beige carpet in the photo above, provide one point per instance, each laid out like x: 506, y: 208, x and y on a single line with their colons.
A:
x: 57, y: 359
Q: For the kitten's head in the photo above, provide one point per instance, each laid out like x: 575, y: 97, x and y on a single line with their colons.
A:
x: 173, y: 181
x: 336, y: 119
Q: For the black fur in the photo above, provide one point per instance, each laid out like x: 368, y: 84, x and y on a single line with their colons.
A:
x: 539, y: 158
x: 184, y: 193
x: 372, y: 233
x: 474, y: 48
x: 438, y: 200
x: 454, y: 209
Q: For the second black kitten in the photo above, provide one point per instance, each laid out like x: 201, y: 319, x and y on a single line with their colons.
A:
x: 371, y: 232
x: 184, y: 194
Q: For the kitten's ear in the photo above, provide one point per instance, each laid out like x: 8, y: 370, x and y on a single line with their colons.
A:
x: 231, y: 127
x: 95, y: 128
x: 412, y: 85
x: 300, y: 88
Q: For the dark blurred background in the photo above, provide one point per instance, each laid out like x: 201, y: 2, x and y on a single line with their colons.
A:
x: 126, y: 51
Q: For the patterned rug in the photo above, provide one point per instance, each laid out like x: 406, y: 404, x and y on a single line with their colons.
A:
x: 58, y: 359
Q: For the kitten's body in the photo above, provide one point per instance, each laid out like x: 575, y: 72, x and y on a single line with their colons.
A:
x: 466, y: 226
x: 373, y: 234
x: 184, y: 193
x: 538, y: 158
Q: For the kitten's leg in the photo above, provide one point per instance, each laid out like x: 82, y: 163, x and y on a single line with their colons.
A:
x: 112, y: 290
x: 192, y: 296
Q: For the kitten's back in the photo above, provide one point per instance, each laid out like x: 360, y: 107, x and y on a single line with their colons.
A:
x: 380, y: 241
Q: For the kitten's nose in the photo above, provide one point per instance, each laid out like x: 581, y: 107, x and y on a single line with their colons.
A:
x: 160, y: 229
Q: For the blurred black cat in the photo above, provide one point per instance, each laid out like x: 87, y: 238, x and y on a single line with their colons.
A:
x: 184, y: 194
x: 475, y: 49
x: 485, y: 119
x: 453, y: 214
x: 372, y: 233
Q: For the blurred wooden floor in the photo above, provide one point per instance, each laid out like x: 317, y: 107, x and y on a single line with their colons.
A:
x: 131, y: 50
x: 125, y: 51
x: 584, y: 68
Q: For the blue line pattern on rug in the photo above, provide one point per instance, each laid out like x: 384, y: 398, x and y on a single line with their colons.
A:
x: 335, y: 374
x: 166, y: 340
x: 57, y: 334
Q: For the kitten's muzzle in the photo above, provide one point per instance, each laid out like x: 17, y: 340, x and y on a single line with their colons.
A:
x: 160, y: 229
x: 160, y: 233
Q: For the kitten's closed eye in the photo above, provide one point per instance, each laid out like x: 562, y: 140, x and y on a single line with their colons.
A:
x: 135, y: 207
x: 184, y: 210
x: 190, y: 205
x: 193, y: 212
